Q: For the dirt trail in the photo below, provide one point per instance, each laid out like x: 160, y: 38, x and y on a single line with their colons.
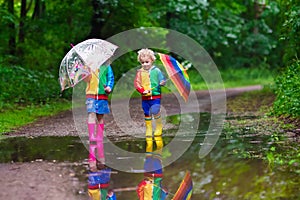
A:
x: 63, y: 123
x: 51, y: 180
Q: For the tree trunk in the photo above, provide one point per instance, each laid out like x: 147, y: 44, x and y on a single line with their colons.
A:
x: 39, y: 8
x: 12, y: 30
x: 259, y: 6
x: 97, y: 20
x: 36, y: 13
x: 22, y: 22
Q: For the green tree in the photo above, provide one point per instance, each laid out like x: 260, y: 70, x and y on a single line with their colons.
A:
x: 235, y: 33
x: 290, y: 30
x: 112, y: 17
x: 37, y: 34
x: 288, y: 82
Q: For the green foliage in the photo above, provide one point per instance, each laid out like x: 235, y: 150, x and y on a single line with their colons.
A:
x: 257, y: 46
x: 235, y: 33
x: 277, y: 156
x: 47, y: 37
x: 230, y: 31
x: 119, y: 15
x: 288, y: 92
x: 288, y: 82
x: 23, y: 86
x: 290, y: 31
x: 279, y: 151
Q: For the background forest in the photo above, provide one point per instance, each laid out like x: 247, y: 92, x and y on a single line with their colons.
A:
x: 254, y: 35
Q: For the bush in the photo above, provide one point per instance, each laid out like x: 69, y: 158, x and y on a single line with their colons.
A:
x: 287, y: 92
x: 24, y: 86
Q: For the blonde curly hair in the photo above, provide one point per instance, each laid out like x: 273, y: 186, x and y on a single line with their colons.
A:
x: 146, y: 53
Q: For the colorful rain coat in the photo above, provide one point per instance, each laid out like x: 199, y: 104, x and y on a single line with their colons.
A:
x: 150, y: 188
x: 149, y: 80
x: 98, y: 183
x: 100, y: 79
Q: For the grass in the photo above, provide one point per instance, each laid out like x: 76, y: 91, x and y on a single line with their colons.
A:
x: 231, y: 78
x: 253, y: 101
x: 15, y: 118
x: 281, y: 153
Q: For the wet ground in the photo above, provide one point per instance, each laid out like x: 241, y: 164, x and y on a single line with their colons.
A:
x: 45, y: 173
x: 57, y: 167
x: 63, y: 123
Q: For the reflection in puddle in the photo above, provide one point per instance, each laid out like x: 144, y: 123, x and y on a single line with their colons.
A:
x: 23, y: 149
x: 226, y: 173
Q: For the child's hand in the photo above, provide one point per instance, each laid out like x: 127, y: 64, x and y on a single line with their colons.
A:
x: 88, y: 69
x: 107, y: 89
x: 146, y: 92
x: 163, y: 82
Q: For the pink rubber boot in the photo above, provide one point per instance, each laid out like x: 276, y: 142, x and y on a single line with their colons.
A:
x: 91, y: 128
x: 92, y: 156
x: 99, y: 139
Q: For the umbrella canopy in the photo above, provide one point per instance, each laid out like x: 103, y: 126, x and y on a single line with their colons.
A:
x: 177, y: 73
x: 185, y: 189
x: 83, y: 59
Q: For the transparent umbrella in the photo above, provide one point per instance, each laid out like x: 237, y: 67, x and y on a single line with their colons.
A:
x: 83, y: 59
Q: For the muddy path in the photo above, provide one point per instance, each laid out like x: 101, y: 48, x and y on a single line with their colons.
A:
x: 57, y: 180
x: 63, y: 123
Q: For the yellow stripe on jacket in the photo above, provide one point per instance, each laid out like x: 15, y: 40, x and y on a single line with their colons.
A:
x: 92, y: 87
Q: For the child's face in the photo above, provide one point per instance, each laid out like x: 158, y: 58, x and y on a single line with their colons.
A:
x: 146, y: 63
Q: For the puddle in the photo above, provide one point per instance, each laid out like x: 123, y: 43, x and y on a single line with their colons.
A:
x: 23, y: 149
x: 226, y: 173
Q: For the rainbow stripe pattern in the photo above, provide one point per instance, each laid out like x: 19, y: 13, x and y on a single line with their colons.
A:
x: 177, y: 73
x: 185, y: 189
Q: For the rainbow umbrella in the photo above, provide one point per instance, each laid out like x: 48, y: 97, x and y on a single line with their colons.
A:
x: 177, y: 73
x: 185, y: 189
